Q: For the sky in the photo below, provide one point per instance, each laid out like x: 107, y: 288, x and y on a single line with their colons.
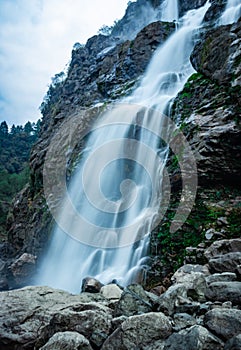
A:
x: 36, y: 39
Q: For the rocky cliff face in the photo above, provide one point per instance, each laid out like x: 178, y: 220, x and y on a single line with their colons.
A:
x: 197, y: 307
x: 109, y: 67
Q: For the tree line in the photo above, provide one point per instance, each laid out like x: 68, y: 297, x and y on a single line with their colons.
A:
x: 15, y: 146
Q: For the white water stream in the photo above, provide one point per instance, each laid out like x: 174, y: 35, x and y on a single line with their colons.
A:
x: 232, y: 12
x: 123, y: 176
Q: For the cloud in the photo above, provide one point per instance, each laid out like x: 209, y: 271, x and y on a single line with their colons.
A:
x: 36, y: 39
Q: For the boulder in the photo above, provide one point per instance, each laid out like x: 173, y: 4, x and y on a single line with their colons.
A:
x: 194, y: 277
x: 22, y: 268
x: 176, y: 299
x: 223, y: 246
x: 233, y: 343
x: 225, y: 263
x: 193, y: 338
x: 225, y: 323
x: 182, y: 321
x: 139, y: 331
x: 221, y: 277
x: 29, y: 317
x: 187, y: 272
x: 91, y: 285
x: 67, y: 341
x: 224, y: 291
x: 133, y: 301
x: 111, y: 292
x: 86, y: 297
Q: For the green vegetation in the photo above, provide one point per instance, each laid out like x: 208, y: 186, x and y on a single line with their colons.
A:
x: 209, y: 207
x: 15, y: 146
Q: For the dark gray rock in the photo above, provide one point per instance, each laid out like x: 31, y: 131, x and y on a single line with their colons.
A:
x: 22, y: 268
x: 186, y: 5
x: 193, y: 338
x: 139, y: 331
x: 29, y: 317
x: 176, y: 300
x: 224, y: 291
x: 217, y: 56
x: 67, y: 341
x: 215, y: 10
x: 221, y: 277
x: 182, y: 321
x: 225, y: 263
x: 223, y: 246
x: 133, y: 301
x: 234, y: 343
x: 91, y: 285
x: 225, y: 323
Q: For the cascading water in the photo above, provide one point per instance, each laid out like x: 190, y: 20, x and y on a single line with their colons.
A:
x: 122, y: 181
x: 169, y: 11
x: 232, y: 12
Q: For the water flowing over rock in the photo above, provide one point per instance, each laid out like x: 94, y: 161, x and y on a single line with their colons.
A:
x: 126, y: 224
x: 218, y: 55
x: 198, y: 306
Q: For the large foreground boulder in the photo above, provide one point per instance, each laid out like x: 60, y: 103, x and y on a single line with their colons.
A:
x: 193, y: 338
x: 67, y: 341
x: 139, y: 331
x: 223, y: 322
x: 29, y: 317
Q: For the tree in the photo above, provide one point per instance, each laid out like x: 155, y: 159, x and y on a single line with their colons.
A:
x: 19, y: 129
x: 4, y: 128
x: 77, y: 46
x: 36, y: 127
x: 13, y: 130
x: 28, y: 128
x: 105, y: 30
x: 58, y: 78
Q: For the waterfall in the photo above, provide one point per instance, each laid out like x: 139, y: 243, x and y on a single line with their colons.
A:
x: 117, y: 186
x: 232, y: 12
x: 169, y: 11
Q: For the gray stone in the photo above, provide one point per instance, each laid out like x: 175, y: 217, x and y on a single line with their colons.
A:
x: 233, y: 343
x: 86, y: 297
x: 182, y: 321
x: 139, y: 331
x: 31, y: 316
x: 224, y: 291
x: 22, y: 268
x: 225, y: 263
x: 67, y: 341
x: 169, y: 300
x: 225, y: 323
x: 223, y: 246
x: 133, y: 301
x: 111, y: 292
x: 91, y: 285
x: 217, y: 55
x: 193, y: 338
x: 117, y: 321
x: 221, y: 277
x: 187, y: 272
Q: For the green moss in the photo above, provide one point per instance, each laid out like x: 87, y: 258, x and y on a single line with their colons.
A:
x: 205, y: 50
x: 210, y: 205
